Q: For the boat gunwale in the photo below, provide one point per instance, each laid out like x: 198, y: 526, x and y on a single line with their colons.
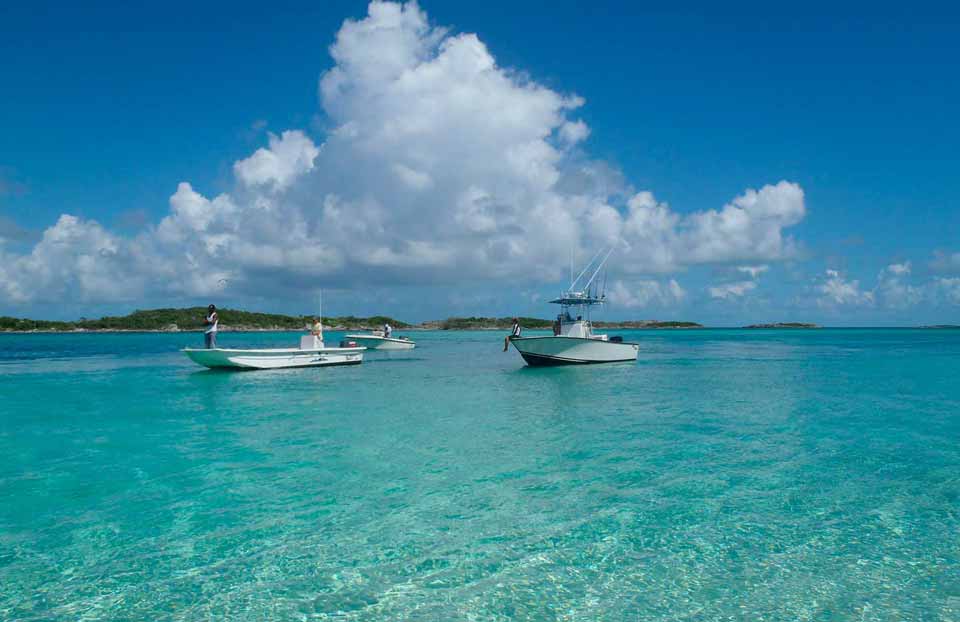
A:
x: 592, y: 339
x: 378, y: 337
x: 278, y: 351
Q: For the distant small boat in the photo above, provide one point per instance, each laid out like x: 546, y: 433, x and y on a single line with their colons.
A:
x: 575, y: 342
x: 311, y: 353
x: 376, y: 340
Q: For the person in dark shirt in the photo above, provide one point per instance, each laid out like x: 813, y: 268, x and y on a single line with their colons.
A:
x: 212, y: 323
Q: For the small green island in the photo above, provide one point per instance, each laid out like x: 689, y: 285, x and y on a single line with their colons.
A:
x: 483, y: 323
x: 784, y: 325
x: 191, y: 319
x: 647, y: 324
x: 173, y: 320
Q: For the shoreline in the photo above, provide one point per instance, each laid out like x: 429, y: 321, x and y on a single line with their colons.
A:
x: 98, y: 331
x: 333, y: 329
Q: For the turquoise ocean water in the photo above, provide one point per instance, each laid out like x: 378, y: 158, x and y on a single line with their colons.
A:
x: 727, y: 475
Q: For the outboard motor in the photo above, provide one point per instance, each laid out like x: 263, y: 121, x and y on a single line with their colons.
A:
x: 348, y: 343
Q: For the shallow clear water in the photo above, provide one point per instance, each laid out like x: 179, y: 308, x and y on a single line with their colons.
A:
x: 728, y: 475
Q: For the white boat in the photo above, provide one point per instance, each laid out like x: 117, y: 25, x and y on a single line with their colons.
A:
x: 574, y: 342
x: 311, y: 353
x: 376, y: 340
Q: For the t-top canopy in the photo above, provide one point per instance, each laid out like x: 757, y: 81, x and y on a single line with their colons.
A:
x: 584, y: 295
x: 570, y: 299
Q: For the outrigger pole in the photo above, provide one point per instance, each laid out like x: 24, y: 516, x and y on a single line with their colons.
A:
x: 585, y: 268
x: 599, y: 267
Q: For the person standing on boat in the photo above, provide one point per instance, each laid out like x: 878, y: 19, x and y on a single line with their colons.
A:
x: 317, y: 329
x: 387, y: 330
x: 514, y: 334
x: 212, y: 322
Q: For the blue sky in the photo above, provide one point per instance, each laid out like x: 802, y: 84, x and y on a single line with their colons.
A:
x: 110, y: 108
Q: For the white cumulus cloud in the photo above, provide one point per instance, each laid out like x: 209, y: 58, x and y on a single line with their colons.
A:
x: 753, y: 271
x: 573, y: 132
x: 749, y: 228
x: 289, y: 155
x: 728, y: 291
x: 440, y: 166
x: 738, y: 289
x: 837, y: 291
x: 76, y: 260
x: 949, y: 287
x: 899, y: 269
x: 893, y: 290
x: 646, y: 293
x: 944, y: 261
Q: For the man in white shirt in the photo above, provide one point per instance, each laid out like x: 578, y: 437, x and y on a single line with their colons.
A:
x: 212, y: 322
x: 387, y: 330
x: 514, y: 334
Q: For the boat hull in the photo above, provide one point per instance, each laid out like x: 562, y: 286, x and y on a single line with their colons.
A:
x: 373, y: 342
x: 553, y: 351
x: 279, y: 358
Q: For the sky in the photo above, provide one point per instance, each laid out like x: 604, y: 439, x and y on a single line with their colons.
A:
x: 746, y: 163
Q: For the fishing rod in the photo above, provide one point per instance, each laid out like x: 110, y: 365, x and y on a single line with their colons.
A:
x: 597, y: 271
x: 585, y: 268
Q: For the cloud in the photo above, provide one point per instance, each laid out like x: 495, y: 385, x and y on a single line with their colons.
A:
x: 646, y: 293
x: 191, y: 211
x: 749, y: 228
x: 753, y: 271
x: 898, y: 269
x: 949, y: 288
x: 836, y: 291
x: 75, y: 260
x: 729, y: 291
x: 290, y: 155
x: 413, y: 179
x: 440, y: 166
x: 12, y: 232
x: 737, y: 289
x: 573, y: 132
x: 945, y: 262
x: 893, y: 292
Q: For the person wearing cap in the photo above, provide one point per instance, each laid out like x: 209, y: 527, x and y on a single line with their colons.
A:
x: 514, y: 334
x: 211, y: 322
